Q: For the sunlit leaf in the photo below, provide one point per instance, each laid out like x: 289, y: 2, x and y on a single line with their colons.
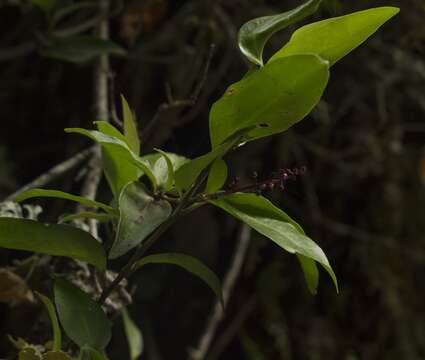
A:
x: 272, y: 99
x: 133, y: 334
x: 188, y: 263
x: 83, y: 319
x: 81, y: 49
x: 51, y: 239
x: 334, y: 38
x: 217, y: 176
x: 57, y: 334
x: 130, y: 127
x: 254, y: 34
x: 270, y: 221
x: 140, y: 214
x: 63, y: 195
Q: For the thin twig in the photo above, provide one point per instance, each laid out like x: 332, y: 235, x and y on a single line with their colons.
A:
x: 54, y: 172
x: 217, y: 314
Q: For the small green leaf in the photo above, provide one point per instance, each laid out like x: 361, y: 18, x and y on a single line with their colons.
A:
x: 130, y: 127
x: 332, y: 39
x: 110, y: 130
x: 87, y: 215
x: 81, y: 49
x: 188, y: 263
x: 270, y: 221
x: 121, y: 163
x: 133, y: 334
x: 83, y: 319
x: 140, y: 214
x: 272, y: 99
x: 56, y: 240
x: 217, y: 176
x: 62, y: 195
x: 88, y: 353
x: 254, y: 34
x: 57, y: 334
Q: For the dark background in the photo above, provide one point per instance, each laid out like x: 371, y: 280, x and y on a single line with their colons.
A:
x: 362, y: 198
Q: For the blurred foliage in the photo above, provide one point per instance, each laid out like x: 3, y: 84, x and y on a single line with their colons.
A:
x: 363, y: 198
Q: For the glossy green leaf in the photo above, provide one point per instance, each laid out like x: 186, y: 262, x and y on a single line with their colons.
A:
x: 276, y: 96
x: 87, y: 215
x: 57, y: 333
x: 82, y: 318
x: 121, y: 163
x: 334, y: 38
x: 254, y: 34
x: 130, y: 127
x: 88, y: 353
x: 188, y: 263
x: 270, y: 221
x: 140, y: 214
x: 63, y: 195
x: 81, y: 49
x: 133, y: 334
x: 51, y: 239
x: 217, y: 176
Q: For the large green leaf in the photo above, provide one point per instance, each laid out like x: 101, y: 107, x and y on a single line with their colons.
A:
x: 80, y: 49
x: 254, y: 34
x: 277, y: 96
x: 188, y: 263
x: 63, y: 195
x: 120, y: 160
x: 334, y: 38
x: 133, y: 334
x: 57, y: 240
x: 130, y: 127
x: 82, y: 318
x: 57, y: 334
x: 270, y: 221
x: 140, y: 214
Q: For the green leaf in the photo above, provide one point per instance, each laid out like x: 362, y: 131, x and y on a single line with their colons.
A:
x: 110, y: 130
x: 133, y: 334
x: 81, y: 49
x: 278, y: 95
x: 63, y: 195
x: 254, y: 34
x: 83, y: 319
x: 140, y: 214
x: 51, y: 239
x: 56, y: 355
x: 121, y: 161
x: 217, y: 176
x: 88, y: 353
x: 57, y: 334
x: 334, y: 38
x: 28, y: 354
x: 87, y: 215
x: 130, y: 127
x: 188, y: 263
x: 270, y: 221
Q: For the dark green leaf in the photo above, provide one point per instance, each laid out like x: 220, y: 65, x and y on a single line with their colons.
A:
x: 121, y: 162
x: 217, y: 176
x: 130, y: 127
x: 254, y: 34
x: 334, y: 38
x: 57, y: 334
x: 140, y: 214
x: 188, y: 263
x: 133, y: 334
x: 62, y: 195
x: 270, y: 221
x: 81, y: 49
x: 277, y: 96
x: 83, y: 319
x: 87, y: 215
x: 57, y: 240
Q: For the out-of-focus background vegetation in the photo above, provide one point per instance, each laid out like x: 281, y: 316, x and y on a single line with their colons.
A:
x: 362, y: 199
